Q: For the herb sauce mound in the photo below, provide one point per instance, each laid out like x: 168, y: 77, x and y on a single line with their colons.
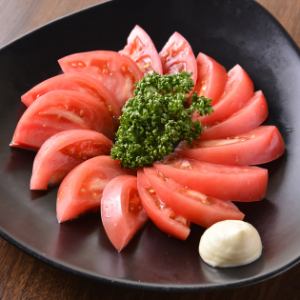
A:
x: 157, y: 118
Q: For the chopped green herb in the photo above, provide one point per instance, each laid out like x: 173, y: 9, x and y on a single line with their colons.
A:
x: 157, y: 118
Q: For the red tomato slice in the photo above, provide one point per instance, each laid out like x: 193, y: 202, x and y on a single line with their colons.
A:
x: 161, y: 215
x: 177, y: 56
x: 236, y: 183
x: 57, y: 111
x: 122, y: 213
x: 141, y: 50
x: 64, y: 151
x: 193, y: 205
x: 81, y: 190
x: 211, y: 79
x: 249, y: 117
x: 117, y: 72
x: 238, y: 91
x: 73, y: 82
x: 255, y: 147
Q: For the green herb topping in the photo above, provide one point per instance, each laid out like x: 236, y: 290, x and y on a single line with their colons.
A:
x: 157, y: 118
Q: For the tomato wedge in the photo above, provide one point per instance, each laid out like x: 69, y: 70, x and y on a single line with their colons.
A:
x: 73, y: 82
x: 122, y: 213
x: 193, y: 205
x: 118, y: 73
x: 236, y: 183
x: 211, y: 79
x: 238, y: 91
x: 57, y: 111
x: 141, y: 50
x: 64, y: 151
x: 249, y: 117
x: 255, y: 147
x: 81, y: 190
x: 161, y: 215
x: 177, y: 56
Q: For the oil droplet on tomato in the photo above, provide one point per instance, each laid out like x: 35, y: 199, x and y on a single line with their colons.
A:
x: 109, y: 208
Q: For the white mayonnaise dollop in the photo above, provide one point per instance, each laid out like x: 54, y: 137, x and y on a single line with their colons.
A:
x: 230, y: 243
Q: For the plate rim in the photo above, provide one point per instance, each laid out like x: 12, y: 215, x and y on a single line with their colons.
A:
x: 166, y: 287
x: 52, y: 262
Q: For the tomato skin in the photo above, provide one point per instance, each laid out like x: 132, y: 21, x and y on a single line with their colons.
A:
x: 159, y: 213
x: 140, y: 48
x: 73, y: 82
x: 177, y: 56
x: 211, y: 78
x: 118, y: 73
x: 253, y: 114
x: 255, y: 147
x: 57, y: 111
x: 122, y: 213
x: 238, y: 91
x: 196, y: 207
x: 64, y: 151
x: 81, y: 190
x: 236, y: 183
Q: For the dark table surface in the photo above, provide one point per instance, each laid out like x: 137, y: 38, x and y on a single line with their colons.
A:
x: 24, y: 277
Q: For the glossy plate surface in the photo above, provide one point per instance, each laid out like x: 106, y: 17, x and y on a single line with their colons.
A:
x: 230, y: 31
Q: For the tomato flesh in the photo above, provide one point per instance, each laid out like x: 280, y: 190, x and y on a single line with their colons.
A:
x: 73, y: 82
x: 177, y: 56
x: 258, y: 146
x: 161, y: 215
x: 57, y: 111
x: 253, y: 114
x: 122, y: 213
x: 141, y: 50
x: 193, y: 205
x: 236, y: 183
x: 118, y: 73
x: 81, y: 190
x: 211, y: 78
x: 62, y: 152
x: 238, y: 91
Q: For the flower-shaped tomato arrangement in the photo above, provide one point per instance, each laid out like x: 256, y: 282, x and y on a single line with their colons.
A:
x: 71, y: 119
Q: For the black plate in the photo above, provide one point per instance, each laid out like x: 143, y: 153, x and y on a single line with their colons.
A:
x: 232, y: 32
